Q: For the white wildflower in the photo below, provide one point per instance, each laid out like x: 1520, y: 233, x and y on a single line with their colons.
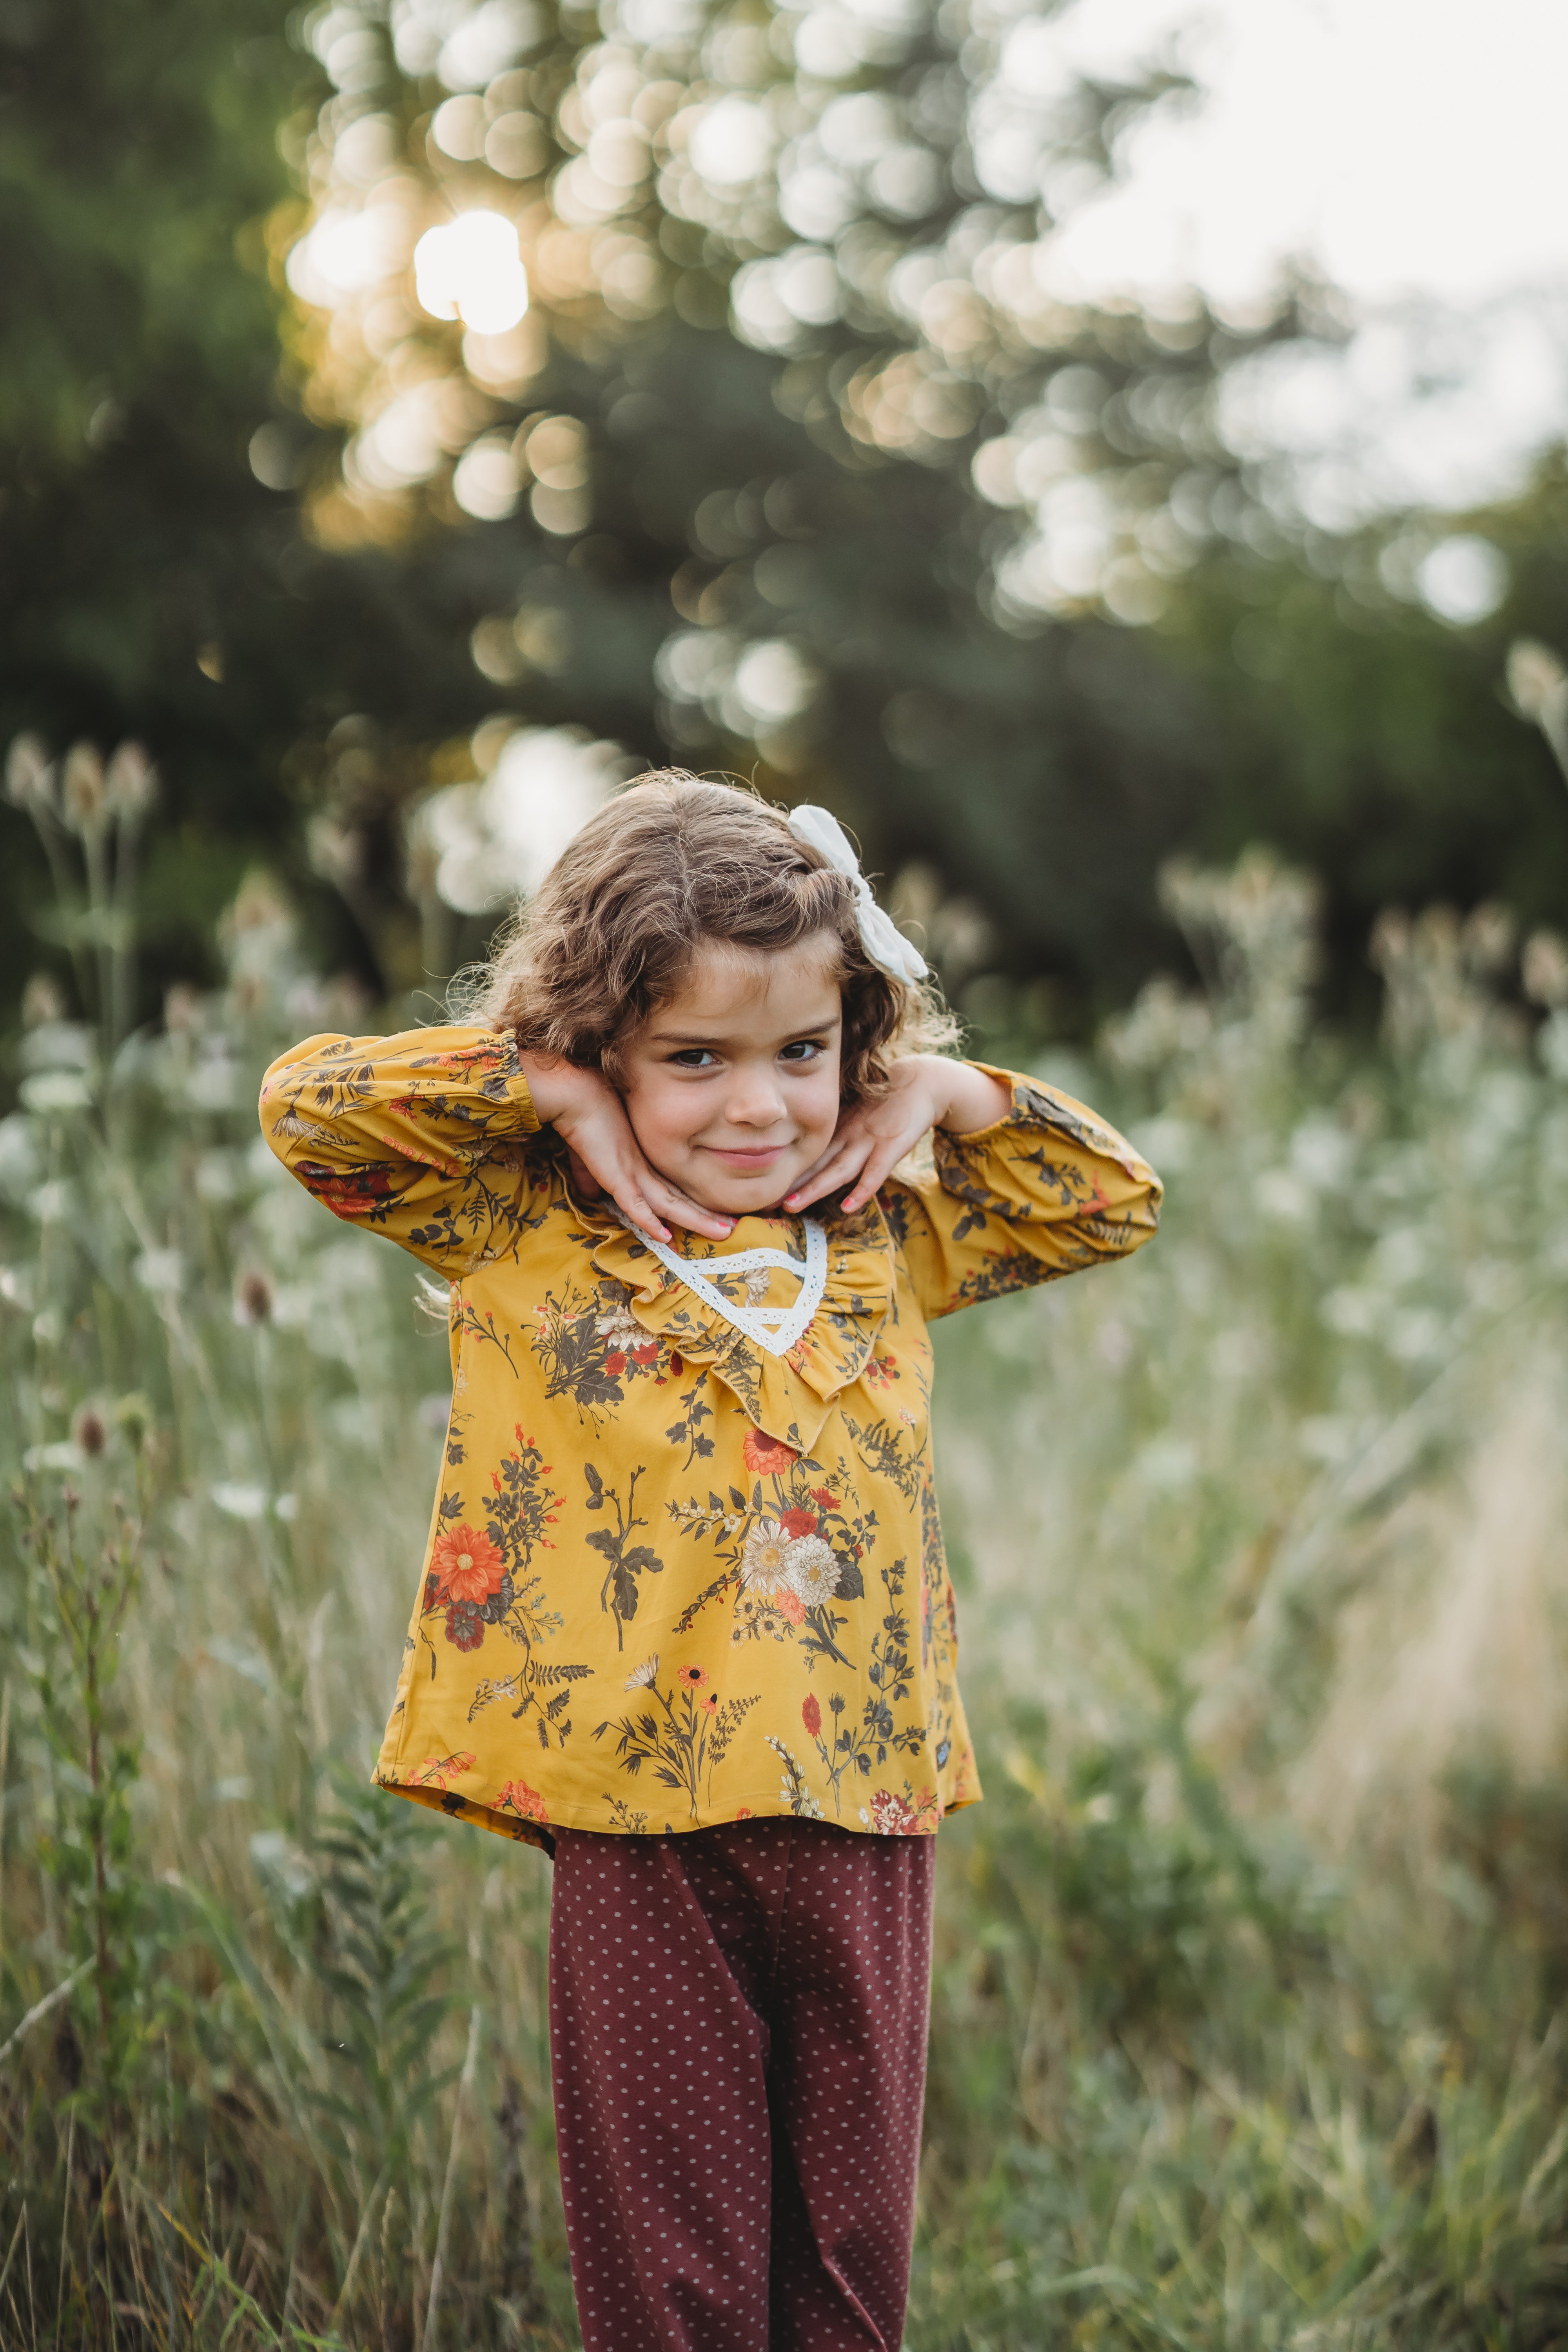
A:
x: 641, y: 1677
x: 812, y: 1569
x: 619, y: 1327
x: 764, y: 1561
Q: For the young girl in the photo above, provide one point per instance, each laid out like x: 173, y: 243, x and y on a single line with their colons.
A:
x: 684, y: 1618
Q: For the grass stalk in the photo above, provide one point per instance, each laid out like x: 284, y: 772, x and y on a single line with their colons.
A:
x: 449, y: 2184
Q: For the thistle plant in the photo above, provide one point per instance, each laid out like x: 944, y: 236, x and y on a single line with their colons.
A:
x: 90, y: 816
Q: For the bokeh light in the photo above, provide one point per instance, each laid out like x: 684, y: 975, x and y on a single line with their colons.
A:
x: 472, y: 268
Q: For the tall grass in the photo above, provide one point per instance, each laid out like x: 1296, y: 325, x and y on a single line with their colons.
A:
x: 1246, y: 2022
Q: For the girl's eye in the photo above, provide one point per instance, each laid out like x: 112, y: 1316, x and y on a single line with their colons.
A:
x: 804, y: 1049
x: 692, y: 1057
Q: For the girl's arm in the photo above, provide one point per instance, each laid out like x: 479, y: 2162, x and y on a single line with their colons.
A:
x: 417, y: 1137
x: 1027, y: 1183
x: 420, y: 1137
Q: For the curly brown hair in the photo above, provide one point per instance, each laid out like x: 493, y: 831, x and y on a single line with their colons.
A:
x: 671, y: 864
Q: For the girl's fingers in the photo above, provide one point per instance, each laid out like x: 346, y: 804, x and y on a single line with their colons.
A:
x: 637, y: 1211
x: 682, y: 1210
x: 839, y: 1167
x: 879, y: 1164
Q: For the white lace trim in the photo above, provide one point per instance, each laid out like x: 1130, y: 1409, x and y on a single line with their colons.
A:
x: 775, y: 1328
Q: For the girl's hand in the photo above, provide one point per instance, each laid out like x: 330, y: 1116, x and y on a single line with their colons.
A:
x: 585, y: 1110
x: 924, y: 1090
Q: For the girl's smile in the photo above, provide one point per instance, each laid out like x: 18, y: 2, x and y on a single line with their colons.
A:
x: 732, y: 1086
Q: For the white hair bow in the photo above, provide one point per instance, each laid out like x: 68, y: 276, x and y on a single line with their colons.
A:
x: 879, y: 935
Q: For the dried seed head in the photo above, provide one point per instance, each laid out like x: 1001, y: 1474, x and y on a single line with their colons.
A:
x: 253, y: 1300
x: 1536, y: 677
x: 29, y: 773
x: 130, y: 782
x: 182, y: 1008
x: 90, y: 1433
x: 134, y: 1415
x: 42, y: 1001
x: 1545, y: 968
x: 81, y: 788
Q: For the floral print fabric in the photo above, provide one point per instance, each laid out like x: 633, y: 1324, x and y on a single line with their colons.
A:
x: 672, y: 1580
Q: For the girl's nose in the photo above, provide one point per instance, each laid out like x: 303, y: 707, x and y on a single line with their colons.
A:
x: 754, y: 1100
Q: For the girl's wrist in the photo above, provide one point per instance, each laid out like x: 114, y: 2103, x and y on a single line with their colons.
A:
x: 557, y: 1087
x: 975, y: 1099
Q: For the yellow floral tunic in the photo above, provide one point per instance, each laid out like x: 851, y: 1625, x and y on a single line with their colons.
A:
x: 673, y: 1578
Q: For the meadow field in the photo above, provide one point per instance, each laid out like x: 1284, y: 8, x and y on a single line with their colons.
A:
x: 1247, y: 2023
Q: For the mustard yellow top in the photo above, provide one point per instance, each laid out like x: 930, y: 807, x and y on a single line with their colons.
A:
x: 674, y: 1578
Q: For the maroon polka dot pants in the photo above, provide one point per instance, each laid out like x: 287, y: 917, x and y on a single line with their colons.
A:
x: 738, y: 2022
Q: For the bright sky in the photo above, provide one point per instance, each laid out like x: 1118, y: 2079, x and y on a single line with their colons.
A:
x: 1416, y: 149
x: 1413, y: 145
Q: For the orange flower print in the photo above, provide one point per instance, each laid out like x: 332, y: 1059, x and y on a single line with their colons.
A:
x: 742, y: 1812
x: 692, y: 1677
x: 824, y: 1499
x: 517, y: 1797
x: 791, y: 1606
x: 766, y: 1456
x: 466, y: 1565
x: 708, y: 1703
x: 348, y: 1192
x: 799, y: 1523
x: 436, y: 1771
x: 811, y: 1714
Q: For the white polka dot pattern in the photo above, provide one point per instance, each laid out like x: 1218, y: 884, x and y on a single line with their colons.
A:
x: 738, y: 2025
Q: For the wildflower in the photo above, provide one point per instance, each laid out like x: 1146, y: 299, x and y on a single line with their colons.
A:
x: 824, y: 1499
x: 642, y: 1677
x: 812, y: 1569
x: 811, y: 1714
x: 791, y: 1606
x: 616, y: 1364
x: 799, y: 1523
x: 708, y: 1703
x: 692, y: 1677
x: 90, y: 1433
x: 742, y: 1812
x: 470, y: 1565
x: 766, y: 1456
x: 762, y: 1560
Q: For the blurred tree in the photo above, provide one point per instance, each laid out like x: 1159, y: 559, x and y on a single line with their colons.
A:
x: 802, y: 462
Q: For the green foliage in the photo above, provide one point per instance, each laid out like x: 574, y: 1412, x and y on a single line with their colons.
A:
x: 302, y: 667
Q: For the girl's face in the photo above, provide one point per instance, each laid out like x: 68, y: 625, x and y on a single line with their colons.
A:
x: 732, y: 1086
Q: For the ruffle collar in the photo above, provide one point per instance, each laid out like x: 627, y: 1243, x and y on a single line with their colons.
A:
x: 787, y: 1396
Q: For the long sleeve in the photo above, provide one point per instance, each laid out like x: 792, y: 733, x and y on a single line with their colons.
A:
x: 1048, y: 1190
x: 417, y: 1137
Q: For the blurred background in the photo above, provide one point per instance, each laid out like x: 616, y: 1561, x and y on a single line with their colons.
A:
x: 1114, y: 455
